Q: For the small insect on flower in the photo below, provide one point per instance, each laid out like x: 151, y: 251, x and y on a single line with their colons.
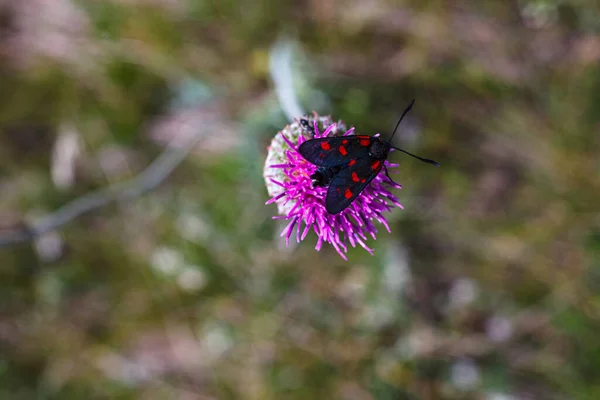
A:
x: 348, y: 164
x: 325, y: 179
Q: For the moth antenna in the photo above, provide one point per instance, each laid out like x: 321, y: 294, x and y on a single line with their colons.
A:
x: 427, y: 160
x: 400, y: 120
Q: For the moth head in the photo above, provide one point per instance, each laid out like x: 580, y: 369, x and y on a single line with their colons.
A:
x: 379, y: 149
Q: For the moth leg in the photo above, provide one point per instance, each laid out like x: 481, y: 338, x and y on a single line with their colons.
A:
x: 388, y: 176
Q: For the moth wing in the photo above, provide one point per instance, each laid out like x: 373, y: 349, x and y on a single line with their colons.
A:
x: 350, y: 182
x: 332, y: 151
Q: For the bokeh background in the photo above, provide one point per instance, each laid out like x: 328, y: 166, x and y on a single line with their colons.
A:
x: 172, y: 283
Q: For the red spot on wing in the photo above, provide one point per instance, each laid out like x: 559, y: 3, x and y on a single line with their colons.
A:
x: 364, y: 140
x: 325, y: 146
x: 345, y: 141
x: 363, y: 180
x: 343, y: 150
x: 348, y: 193
x: 351, y: 163
x: 355, y: 177
x: 375, y: 164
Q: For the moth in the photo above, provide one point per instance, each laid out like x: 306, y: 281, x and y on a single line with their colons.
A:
x: 347, y: 164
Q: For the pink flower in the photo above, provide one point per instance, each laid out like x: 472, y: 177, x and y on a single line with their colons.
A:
x: 287, y: 176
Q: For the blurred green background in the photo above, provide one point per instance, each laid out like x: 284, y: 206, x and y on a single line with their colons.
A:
x: 487, y: 287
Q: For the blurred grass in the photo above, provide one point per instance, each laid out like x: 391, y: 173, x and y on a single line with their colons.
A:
x: 486, y: 287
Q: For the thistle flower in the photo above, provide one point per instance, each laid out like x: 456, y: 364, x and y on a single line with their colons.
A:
x: 287, y: 177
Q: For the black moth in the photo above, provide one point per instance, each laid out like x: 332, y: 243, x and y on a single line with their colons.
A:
x: 348, y: 163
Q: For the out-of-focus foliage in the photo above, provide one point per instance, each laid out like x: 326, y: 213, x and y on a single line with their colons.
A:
x: 488, y: 286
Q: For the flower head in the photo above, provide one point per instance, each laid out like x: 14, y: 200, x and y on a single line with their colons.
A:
x: 288, y: 179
